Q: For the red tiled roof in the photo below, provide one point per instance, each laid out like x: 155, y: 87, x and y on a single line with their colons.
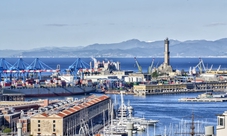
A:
x: 87, y: 104
x: 103, y: 97
x: 90, y: 102
x: 97, y: 100
x: 67, y: 112
x: 44, y: 114
x: 72, y: 110
x: 77, y: 107
x: 80, y: 106
x: 61, y: 114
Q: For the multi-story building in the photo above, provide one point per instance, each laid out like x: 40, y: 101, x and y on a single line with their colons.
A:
x: 71, y: 117
x: 9, y: 118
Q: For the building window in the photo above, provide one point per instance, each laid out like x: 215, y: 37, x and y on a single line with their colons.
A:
x: 38, y: 129
x: 54, y: 129
x: 53, y: 125
x: 53, y: 121
x: 38, y: 121
x: 221, y: 121
x: 38, y: 125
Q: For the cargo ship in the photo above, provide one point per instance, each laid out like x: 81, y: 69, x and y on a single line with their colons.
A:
x: 64, y: 85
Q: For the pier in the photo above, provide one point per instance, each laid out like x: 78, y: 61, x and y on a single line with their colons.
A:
x: 144, y: 89
x: 151, y: 89
x: 203, y: 100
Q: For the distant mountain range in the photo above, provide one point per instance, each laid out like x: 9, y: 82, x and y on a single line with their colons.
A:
x: 130, y: 48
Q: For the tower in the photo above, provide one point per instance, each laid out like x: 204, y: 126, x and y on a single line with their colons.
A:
x: 166, y: 52
x: 165, y: 67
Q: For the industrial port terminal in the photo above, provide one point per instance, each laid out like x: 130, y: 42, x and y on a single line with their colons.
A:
x: 89, y: 115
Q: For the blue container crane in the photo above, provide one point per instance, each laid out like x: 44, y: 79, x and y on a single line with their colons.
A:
x: 77, y: 65
x: 5, y: 68
x: 37, y: 66
x: 20, y: 66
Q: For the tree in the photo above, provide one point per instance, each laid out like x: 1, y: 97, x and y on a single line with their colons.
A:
x: 7, y: 130
x: 154, y: 74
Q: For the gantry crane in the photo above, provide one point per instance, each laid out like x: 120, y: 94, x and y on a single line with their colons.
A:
x: 21, y: 68
x: 77, y: 65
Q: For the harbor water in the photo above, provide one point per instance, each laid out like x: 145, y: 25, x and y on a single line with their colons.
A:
x: 172, y: 114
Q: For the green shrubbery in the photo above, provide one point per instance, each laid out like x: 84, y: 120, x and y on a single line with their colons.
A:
x: 7, y: 130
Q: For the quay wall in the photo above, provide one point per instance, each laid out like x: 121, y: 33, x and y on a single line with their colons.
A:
x: 150, y: 89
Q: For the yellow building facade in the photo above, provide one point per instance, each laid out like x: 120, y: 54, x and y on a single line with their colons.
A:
x: 72, y: 120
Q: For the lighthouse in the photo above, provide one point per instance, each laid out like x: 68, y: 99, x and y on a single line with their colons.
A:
x: 166, y: 53
x: 165, y: 67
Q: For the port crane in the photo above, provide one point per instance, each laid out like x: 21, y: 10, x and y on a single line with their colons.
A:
x: 151, y: 66
x: 200, y: 66
x: 6, y: 68
x: 20, y: 65
x: 37, y: 66
x: 21, y: 68
x: 77, y: 65
x: 210, y: 68
x: 138, y: 65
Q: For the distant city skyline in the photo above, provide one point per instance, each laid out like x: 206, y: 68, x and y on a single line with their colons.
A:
x: 27, y: 24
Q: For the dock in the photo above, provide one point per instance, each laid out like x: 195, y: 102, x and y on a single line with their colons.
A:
x: 119, y: 92
x: 150, y: 89
x: 203, y: 100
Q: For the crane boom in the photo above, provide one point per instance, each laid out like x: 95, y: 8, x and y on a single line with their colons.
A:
x: 138, y: 65
x: 211, y: 67
x: 151, y: 66
x: 201, y: 66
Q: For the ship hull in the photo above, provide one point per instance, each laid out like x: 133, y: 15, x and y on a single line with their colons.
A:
x: 53, y: 91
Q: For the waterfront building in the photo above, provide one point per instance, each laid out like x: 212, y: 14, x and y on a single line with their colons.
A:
x: 71, y: 117
x: 144, y: 89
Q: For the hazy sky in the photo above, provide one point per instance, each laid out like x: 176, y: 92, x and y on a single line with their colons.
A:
x: 26, y: 24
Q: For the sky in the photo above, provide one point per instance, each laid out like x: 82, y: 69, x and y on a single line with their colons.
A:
x: 28, y: 24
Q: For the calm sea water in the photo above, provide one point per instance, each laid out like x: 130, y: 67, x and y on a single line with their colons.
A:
x: 164, y: 108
